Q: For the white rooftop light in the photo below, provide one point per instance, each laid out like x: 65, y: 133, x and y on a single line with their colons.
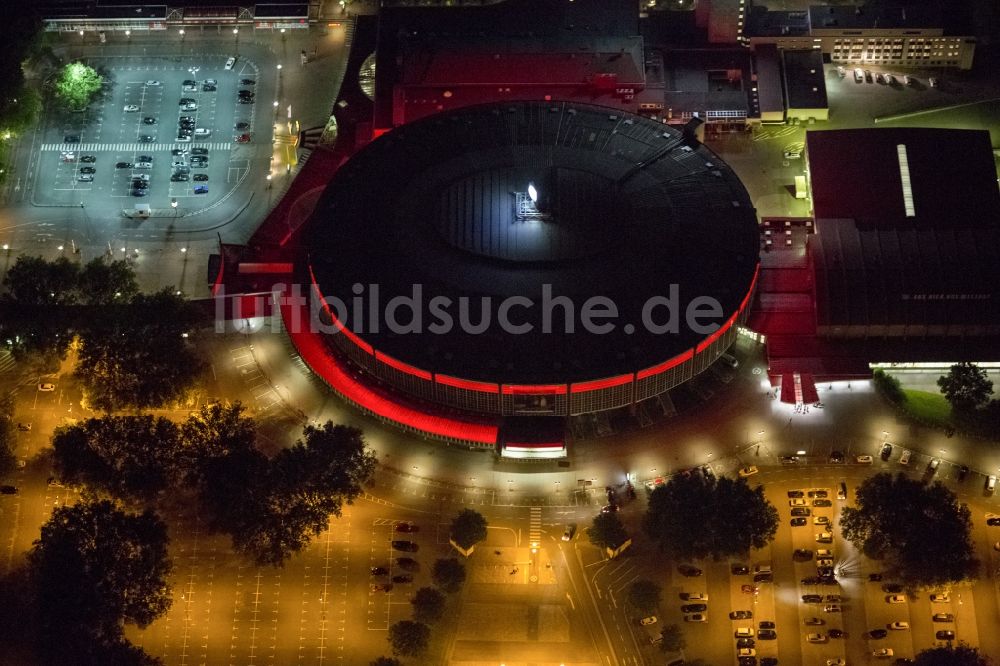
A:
x: 532, y: 192
x: 904, y: 176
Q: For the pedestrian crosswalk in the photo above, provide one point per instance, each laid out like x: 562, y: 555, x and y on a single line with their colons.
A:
x: 535, y: 527
x: 6, y: 362
x: 132, y: 147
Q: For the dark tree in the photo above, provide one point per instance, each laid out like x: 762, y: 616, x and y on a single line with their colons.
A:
x: 284, y: 503
x: 7, y: 435
x: 213, y: 432
x: 607, y: 531
x: 966, y: 387
x: 448, y: 574
x: 468, y: 528
x: 921, y: 533
x: 692, y: 517
x: 645, y: 595
x: 138, y: 355
x: 103, y: 283
x: 428, y: 605
x: 385, y: 661
x: 672, y: 639
x: 130, y: 457
x: 409, y: 639
x: 35, y: 281
x: 959, y: 655
x: 95, y: 569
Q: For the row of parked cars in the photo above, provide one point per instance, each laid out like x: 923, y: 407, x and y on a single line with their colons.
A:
x: 383, y: 575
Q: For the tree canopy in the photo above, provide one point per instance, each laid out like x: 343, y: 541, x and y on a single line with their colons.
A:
x: 428, y: 605
x: 448, y: 574
x: 35, y: 281
x: 672, y: 639
x: 607, y: 531
x: 693, y: 516
x: 77, y: 85
x: 966, y: 387
x: 645, y: 595
x: 409, y: 639
x: 468, y: 528
x: 7, y: 434
x: 96, y: 568
x: 956, y: 655
x: 130, y: 457
x: 273, y: 509
x: 921, y: 532
x: 138, y: 355
x: 386, y: 661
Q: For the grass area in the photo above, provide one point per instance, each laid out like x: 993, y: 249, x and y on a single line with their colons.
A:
x: 931, y: 408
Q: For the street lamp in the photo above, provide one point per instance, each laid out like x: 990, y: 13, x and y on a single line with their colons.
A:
x: 268, y: 181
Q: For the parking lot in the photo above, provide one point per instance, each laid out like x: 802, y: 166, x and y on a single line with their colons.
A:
x: 162, y: 135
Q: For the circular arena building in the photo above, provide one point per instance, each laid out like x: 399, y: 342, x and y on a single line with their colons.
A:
x: 532, y: 258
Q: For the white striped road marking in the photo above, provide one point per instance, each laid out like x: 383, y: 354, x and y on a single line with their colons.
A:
x: 535, y: 526
x: 132, y: 147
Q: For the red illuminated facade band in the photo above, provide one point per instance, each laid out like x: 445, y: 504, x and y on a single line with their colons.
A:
x: 597, y: 384
x: 666, y: 365
x: 539, y: 389
x: 402, y: 367
x: 467, y: 384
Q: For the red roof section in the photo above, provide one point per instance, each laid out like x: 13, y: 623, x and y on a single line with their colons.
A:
x: 315, y: 353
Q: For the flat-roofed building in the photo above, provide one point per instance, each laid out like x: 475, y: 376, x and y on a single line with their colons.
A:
x: 805, y: 86
x: 769, y: 88
x: 928, y: 35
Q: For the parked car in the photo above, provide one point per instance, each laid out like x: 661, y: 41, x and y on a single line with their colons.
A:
x: 242, y: 126
x: 402, y: 579
x: 407, y: 563
x: 247, y: 82
x: 229, y: 63
x: 741, y: 615
x: 898, y: 626
x: 124, y: 165
x: 648, y: 620
x: 379, y: 571
x: 46, y: 387
x: 243, y: 138
x: 199, y: 151
x: 90, y: 159
x: 865, y: 460
x: 896, y: 599
x: 689, y: 570
x: 933, y: 465
x: 883, y: 653
x: 749, y: 470
x: 146, y: 138
x: 697, y: 617
x: 85, y: 178
x: 941, y: 598
x: 8, y: 490
x: 129, y: 108
x: 405, y: 546
x: 814, y: 621
x: 24, y: 427
x: 905, y: 458
x: 200, y: 177
x: 799, y: 522
x: 945, y: 635
x: 71, y: 138
x: 942, y: 617
x: 208, y: 88
x: 152, y: 82
x: 877, y: 634
x: 179, y: 177
x: 767, y: 635
x: 816, y: 638
x: 739, y: 569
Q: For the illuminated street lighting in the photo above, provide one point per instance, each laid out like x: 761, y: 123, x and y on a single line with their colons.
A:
x: 533, y: 193
x: 181, y: 31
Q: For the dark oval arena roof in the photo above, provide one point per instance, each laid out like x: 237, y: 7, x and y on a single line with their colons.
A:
x: 627, y: 207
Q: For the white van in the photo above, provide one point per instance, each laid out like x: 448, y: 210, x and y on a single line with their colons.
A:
x: 201, y: 133
x: 991, y: 485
